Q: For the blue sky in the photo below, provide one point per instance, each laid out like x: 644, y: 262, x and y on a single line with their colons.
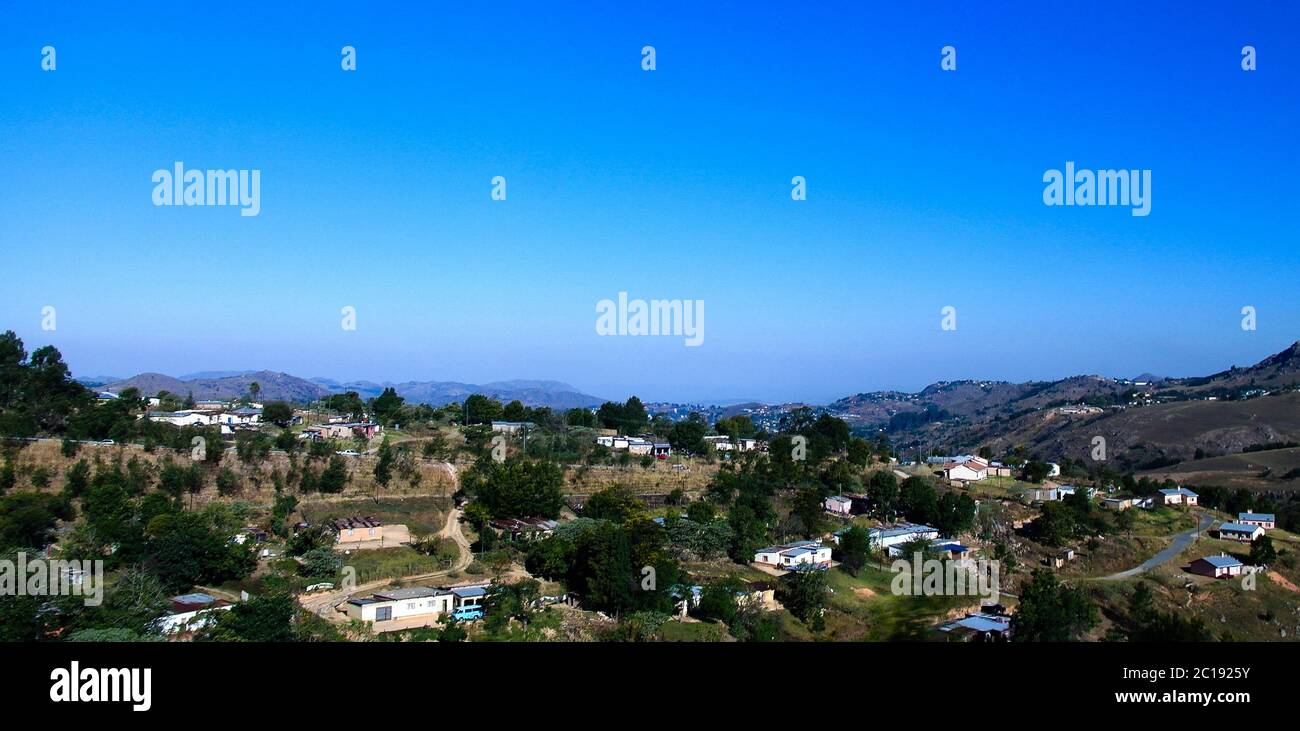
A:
x: 924, y: 190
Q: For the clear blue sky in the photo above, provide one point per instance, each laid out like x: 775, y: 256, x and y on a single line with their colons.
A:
x: 924, y: 190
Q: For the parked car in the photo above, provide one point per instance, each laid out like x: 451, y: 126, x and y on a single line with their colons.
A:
x: 349, y: 453
x: 467, y: 614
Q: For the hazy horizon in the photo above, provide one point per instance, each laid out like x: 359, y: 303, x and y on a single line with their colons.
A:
x: 192, y: 374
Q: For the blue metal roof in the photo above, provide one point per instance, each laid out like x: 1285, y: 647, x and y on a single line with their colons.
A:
x: 1256, y: 516
x: 1239, y: 528
x: 981, y: 623
x: 1222, y: 562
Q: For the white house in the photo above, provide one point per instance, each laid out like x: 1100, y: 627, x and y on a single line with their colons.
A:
x: 720, y: 443
x: 637, y: 445
x: 839, y: 505
x: 1217, y: 567
x: 1178, y: 496
x: 510, y: 427
x: 1240, y: 532
x: 401, y: 603
x: 889, y: 536
x: 969, y: 470
x: 1267, y: 521
x: 795, y: 555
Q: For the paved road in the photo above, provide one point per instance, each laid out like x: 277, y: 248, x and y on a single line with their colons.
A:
x: 1181, y: 541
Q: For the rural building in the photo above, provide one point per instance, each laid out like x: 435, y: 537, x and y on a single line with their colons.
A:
x: 469, y: 596
x: 525, y: 528
x: 1042, y: 494
x: 511, y: 427
x: 979, y: 627
x: 661, y: 450
x: 1178, y: 496
x: 1217, y: 567
x: 720, y: 443
x: 639, y: 446
x: 951, y: 550
x: 1267, y: 521
x: 795, y: 555
x: 401, y: 604
x: 889, y: 536
x: 967, y: 471
x: 839, y: 505
x: 1240, y: 532
x: 355, y: 529
x: 348, y: 430
x: 1124, y: 502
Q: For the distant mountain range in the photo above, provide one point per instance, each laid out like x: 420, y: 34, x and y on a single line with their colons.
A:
x: 1147, y: 421
x: 284, y: 387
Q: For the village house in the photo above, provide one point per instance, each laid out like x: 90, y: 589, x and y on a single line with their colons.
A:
x: 997, y: 469
x: 839, y: 505
x: 795, y: 555
x: 525, y: 528
x: 950, y: 549
x: 1124, y: 502
x: 1042, y: 494
x: 1178, y: 496
x: 891, y: 536
x: 401, y: 604
x: 720, y: 443
x: 1240, y: 532
x: 970, y: 470
x: 979, y: 627
x: 1217, y: 567
x: 416, y: 602
x: 639, y: 446
x: 661, y: 450
x: 1267, y: 521
x: 349, y: 430
x: 355, y: 529
x: 512, y: 427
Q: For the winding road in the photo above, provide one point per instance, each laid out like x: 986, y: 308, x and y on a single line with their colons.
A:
x: 1181, y: 542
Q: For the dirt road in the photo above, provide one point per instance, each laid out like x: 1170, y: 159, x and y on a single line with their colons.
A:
x: 324, y: 604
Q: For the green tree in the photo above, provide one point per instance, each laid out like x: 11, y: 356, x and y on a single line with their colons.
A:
x: 260, y: 619
x: 1052, y: 612
x: 387, y: 406
x: 804, y: 594
x: 516, y: 488
x: 855, y: 548
x: 278, y: 413
x: 1262, y: 552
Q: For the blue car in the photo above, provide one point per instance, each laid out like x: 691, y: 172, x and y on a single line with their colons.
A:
x: 467, y: 614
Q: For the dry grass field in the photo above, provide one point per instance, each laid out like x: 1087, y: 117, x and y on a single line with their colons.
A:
x: 435, y: 478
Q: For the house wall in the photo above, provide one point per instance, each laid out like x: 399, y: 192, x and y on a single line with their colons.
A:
x: 353, y: 535
x: 402, y: 608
